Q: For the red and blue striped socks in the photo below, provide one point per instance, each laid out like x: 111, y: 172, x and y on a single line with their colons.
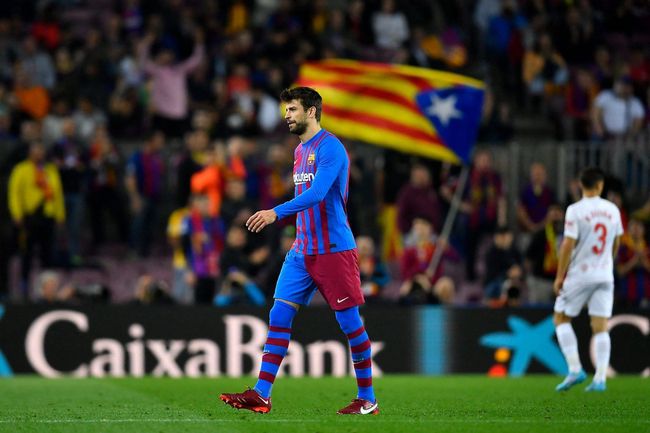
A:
x: 277, y: 344
x: 351, y: 324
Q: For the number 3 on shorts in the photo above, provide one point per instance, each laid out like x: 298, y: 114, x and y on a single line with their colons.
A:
x: 598, y: 249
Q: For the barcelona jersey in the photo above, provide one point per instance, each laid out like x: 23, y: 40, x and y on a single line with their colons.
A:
x: 321, y: 174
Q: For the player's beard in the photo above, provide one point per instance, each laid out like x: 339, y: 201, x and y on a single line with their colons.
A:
x: 299, y: 128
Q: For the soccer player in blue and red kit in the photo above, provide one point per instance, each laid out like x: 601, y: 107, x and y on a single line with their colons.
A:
x: 323, y: 256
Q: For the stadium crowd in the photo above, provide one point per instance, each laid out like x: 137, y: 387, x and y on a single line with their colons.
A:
x: 142, y: 130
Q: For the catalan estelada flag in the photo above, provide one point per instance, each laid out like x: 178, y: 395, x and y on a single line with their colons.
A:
x: 414, y: 110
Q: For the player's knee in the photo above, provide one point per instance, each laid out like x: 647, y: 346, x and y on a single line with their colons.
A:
x: 349, y: 320
x: 598, y: 324
x: 292, y: 304
x: 282, y: 314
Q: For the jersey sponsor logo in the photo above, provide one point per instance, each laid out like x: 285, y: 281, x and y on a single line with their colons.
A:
x: 302, y: 178
x: 311, y: 158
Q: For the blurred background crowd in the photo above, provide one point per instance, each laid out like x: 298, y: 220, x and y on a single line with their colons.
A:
x: 137, y: 136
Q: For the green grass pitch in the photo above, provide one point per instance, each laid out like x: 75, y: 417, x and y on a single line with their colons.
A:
x: 407, y: 404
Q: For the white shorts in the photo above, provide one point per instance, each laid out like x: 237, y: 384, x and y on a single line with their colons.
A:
x: 599, y: 297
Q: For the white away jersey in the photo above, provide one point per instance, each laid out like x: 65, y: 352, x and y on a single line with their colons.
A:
x: 595, y: 223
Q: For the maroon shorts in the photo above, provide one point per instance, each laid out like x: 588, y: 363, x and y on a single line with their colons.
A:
x: 337, y: 277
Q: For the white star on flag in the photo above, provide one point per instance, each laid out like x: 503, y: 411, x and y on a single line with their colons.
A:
x: 444, y: 108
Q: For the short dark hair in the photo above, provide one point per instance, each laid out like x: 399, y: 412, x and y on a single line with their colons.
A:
x: 307, y: 96
x: 590, y: 176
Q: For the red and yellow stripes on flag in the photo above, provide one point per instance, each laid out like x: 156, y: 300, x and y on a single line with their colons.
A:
x: 376, y: 103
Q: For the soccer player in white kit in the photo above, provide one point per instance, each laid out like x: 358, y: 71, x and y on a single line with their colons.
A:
x: 585, y: 275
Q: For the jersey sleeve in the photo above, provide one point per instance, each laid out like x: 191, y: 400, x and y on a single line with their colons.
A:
x: 331, y: 159
x: 571, y: 223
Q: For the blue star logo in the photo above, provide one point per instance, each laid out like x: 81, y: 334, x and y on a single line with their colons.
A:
x: 455, y: 113
x: 529, y: 342
x: 5, y: 369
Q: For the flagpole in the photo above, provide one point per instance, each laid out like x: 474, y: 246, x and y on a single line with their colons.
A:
x: 449, y: 221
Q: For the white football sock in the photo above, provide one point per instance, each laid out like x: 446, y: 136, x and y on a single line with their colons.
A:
x: 569, y: 345
x: 603, y: 346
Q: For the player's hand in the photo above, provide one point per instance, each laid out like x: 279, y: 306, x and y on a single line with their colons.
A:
x: 557, y: 286
x: 261, y: 219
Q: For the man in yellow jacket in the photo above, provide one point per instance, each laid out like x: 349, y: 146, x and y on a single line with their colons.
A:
x: 36, y: 206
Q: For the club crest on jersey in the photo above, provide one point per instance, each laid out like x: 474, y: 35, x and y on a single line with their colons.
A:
x: 311, y: 158
x: 301, y: 178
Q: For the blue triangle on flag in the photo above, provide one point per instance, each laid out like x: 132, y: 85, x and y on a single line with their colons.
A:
x: 455, y: 112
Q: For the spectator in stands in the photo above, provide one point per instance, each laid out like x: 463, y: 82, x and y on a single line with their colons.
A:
x: 71, y: 158
x: 47, y: 289
x: 504, y: 273
x: 210, y: 180
x: 32, y: 100
x: 483, y: 205
x: 221, y: 164
x: 105, y: 196
x: 54, y: 121
x: 38, y: 63
x: 390, y: 26
x: 144, y: 172
x: 87, y: 118
x: 580, y: 94
x: 418, y: 198
x: 633, y: 267
x: 616, y: 194
x: 203, y: 240
x: 420, y: 284
x: 374, y: 273
x: 235, y: 202
x: 545, y: 73
x: 575, y: 37
x: 496, y: 121
x: 181, y: 287
x: 192, y: 161
x: 149, y: 291
x: 125, y: 110
x: 617, y: 112
x: 169, y: 83
x: 504, y: 45
x: 535, y: 199
x: 238, y: 284
x: 603, y: 68
x: 268, y: 274
x: 276, y: 177
x: 36, y: 205
x: 542, y: 257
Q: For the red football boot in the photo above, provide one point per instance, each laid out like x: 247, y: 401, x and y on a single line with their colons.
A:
x: 360, y: 406
x: 248, y: 399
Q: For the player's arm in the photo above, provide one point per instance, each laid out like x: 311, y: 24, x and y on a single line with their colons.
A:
x: 564, y: 258
x: 566, y: 248
x: 331, y: 160
x: 615, y: 247
x: 597, y: 119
